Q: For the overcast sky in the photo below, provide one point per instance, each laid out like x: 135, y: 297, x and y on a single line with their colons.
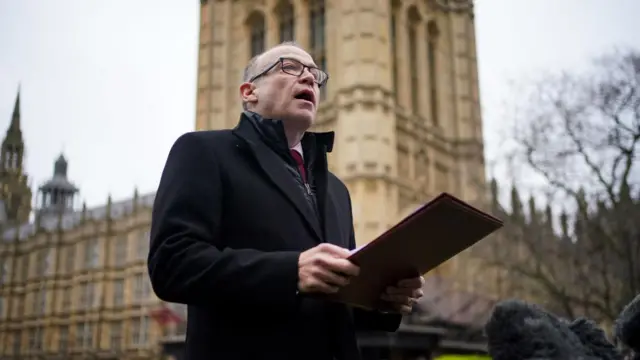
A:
x: 112, y: 83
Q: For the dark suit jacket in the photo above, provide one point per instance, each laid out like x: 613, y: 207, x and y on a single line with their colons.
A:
x: 229, y: 223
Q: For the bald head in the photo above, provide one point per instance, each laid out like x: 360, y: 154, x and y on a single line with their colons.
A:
x: 263, y: 60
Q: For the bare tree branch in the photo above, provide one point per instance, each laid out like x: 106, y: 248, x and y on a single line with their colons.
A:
x: 580, y: 133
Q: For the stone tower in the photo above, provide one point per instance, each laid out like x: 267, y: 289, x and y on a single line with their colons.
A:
x: 402, y: 96
x: 15, y: 194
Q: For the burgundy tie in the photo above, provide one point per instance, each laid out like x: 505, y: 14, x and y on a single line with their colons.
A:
x: 298, y: 158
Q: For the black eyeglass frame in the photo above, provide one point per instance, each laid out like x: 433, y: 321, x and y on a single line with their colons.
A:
x: 281, y: 62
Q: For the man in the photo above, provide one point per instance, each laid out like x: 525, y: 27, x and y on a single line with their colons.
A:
x: 249, y: 228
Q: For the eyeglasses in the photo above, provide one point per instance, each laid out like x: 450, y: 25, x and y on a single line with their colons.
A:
x: 295, y: 68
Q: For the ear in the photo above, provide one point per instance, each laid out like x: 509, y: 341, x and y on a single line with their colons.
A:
x: 247, y: 92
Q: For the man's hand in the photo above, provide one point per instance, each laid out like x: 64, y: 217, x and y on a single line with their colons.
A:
x: 325, y: 269
x: 404, y: 295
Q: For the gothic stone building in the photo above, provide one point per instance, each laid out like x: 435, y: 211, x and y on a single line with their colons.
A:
x: 73, y: 283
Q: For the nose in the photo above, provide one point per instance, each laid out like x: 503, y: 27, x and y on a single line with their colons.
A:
x: 306, y: 77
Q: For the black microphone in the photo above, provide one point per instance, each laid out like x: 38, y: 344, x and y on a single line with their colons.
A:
x: 594, y: 339
x: 626, y: 328
x: 517, y: 330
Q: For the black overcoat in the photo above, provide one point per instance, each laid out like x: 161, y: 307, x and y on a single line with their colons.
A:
x: 229, y: 222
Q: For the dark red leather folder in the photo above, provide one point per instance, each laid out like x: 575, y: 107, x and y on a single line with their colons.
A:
x: 431, y: 235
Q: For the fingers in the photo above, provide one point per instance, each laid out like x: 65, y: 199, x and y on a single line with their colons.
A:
x: 412, y: 283
x: 331, y: 277
x: 334, y: 250
x: 335, y: 260
x: 397, y: 299
x: 342, y: 266
x: 325, y: 269
x: 399, y: 303
x: 407, y: 292
x: 405, y: 295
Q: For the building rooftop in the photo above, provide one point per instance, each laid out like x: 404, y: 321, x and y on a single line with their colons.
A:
x: 70, y: 220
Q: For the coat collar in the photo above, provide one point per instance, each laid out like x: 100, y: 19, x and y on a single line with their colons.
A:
x: 254, y: 127
x: 266, y: 142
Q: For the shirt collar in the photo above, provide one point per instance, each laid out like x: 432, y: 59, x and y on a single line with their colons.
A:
x: 298, y: 148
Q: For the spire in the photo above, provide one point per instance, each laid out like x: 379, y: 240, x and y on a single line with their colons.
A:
x: 136, y: 199
x: 12, y: 150
x: 60, y: 167
x: 84, y: 211
x: 516, y: 204
x: 15, y: 196
x: 13, y: 138
x: 533, y: 210
x: 494, y: 194
x: 15, y: 118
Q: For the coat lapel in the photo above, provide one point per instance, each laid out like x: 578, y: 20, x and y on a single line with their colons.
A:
x: 326, y: 204
x: 275, y: 170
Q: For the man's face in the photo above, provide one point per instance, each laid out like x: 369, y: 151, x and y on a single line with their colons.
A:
x: 279, y: 95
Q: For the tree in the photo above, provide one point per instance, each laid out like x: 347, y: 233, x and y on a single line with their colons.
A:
x: 579, y: 133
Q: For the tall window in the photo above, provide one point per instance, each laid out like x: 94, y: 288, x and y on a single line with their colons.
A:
x: 116, y: 335
x: 84, y: 335
x: 63, y: 338
x: 432, y: 38
x: 287, y: 21
x: 414, y: 20
x: 10, y: 158
x: 142, y: 245
x: 17, y: 342
x: 257, y: 33
x: 87, y: 295
x: 394, y: 50
x: 118, y: 292
x: 4, y: 271
x: 317, y: 37
x: 91, y: 253
x: 41, y: 304
x: 139, y: 331
x: 66, y: 299
x: 71, y: 258
x: 120, y: 250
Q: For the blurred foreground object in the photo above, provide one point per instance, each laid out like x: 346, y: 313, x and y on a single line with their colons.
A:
x: 521, y: 331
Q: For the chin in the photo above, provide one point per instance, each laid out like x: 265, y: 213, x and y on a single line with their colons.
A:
x: 303, y: 120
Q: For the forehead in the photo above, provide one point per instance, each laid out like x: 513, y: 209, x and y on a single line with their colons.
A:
x: 287, y: 51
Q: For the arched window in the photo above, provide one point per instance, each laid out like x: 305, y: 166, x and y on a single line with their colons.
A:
x: 317, y: 38
x: 414, y: 21
x: 257, y: 32
x: 432, y: 38
x: 286, y: 20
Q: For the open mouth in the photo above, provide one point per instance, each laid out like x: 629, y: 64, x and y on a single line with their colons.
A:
x: 305, y: 95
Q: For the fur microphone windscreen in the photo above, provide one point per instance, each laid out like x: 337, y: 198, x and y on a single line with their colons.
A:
x: 517, y: 330
x: 626, y: 329
x: 521, y: 331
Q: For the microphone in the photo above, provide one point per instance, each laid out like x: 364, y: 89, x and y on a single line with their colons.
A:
x: 517, y: 330
x: 594, y: 339
x: 626, y: 328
